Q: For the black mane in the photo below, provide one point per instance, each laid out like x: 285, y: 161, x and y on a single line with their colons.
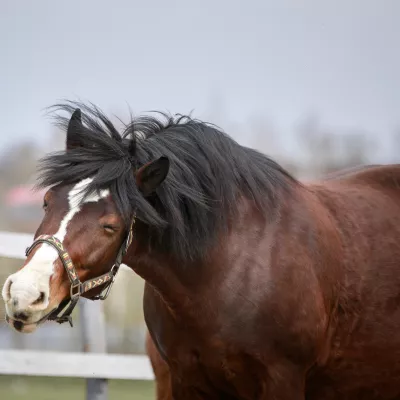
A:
x: 208, y: 172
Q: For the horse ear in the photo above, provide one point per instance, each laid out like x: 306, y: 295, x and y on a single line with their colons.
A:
x: 74, y: 130
x: 151, y: 175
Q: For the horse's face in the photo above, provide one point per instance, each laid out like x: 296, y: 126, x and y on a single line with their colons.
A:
x: 92, y: 233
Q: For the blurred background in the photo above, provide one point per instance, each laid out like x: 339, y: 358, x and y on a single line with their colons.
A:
x: 313, y: 84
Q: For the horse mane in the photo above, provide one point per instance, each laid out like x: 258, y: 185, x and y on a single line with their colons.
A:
x: 209, y: 172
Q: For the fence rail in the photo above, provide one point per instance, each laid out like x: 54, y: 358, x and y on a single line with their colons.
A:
x: 95, y: 365
x: 75, y: 365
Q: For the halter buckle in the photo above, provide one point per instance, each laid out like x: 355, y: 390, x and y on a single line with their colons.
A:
x: 75, y: 290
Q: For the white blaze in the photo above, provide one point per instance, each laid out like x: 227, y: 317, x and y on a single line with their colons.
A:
x: 26, y: 284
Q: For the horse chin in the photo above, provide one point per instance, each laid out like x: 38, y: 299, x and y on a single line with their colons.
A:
x: 29, y: 328
x: 22, y: 327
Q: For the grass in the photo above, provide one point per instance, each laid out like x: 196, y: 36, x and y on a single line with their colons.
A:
x: 41, y: 388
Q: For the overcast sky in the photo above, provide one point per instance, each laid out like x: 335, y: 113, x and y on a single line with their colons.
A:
x: 281, y: 59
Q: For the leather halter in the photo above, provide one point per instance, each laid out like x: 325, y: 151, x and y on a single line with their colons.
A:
x: 77, y: 287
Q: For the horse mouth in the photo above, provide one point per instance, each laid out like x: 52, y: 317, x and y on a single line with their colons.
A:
x: 21, y: 326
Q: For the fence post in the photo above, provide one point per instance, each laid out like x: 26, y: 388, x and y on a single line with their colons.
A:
x: 94, y: 341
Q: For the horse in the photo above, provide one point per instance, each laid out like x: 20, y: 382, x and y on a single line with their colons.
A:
x: 257, y: 285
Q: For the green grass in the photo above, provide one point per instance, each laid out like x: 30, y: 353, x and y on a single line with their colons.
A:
x: 40, y: 388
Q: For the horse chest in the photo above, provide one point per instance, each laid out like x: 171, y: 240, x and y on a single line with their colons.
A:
x: 200, y: 361
x: 215, y: 369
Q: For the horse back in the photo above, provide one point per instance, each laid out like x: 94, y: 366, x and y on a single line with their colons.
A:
x: 386, y: 176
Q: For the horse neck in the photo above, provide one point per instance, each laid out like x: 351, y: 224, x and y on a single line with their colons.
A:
x: 170, y: 277
x: 176, y: 279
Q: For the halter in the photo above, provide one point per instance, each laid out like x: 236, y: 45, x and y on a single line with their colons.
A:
x: 77, y: 287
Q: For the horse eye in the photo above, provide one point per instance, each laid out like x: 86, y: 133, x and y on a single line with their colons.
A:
x: 45, y: 204
x: 109, y: 228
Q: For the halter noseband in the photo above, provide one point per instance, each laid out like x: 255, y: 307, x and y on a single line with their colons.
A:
x: 77, y: 287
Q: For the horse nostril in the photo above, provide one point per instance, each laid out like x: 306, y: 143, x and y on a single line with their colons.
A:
x: 20, y: 316
x: 7, y: 290
x: 40, y: 299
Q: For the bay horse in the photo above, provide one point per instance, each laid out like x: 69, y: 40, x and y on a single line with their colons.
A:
x: 257, y: 285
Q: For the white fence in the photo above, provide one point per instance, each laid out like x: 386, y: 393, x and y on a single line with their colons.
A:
x: 94, y: 365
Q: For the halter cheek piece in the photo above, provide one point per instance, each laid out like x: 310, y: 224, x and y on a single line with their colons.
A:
x: 77, y: 287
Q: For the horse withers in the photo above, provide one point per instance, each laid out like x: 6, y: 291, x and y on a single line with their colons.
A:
x: 258, y: 286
